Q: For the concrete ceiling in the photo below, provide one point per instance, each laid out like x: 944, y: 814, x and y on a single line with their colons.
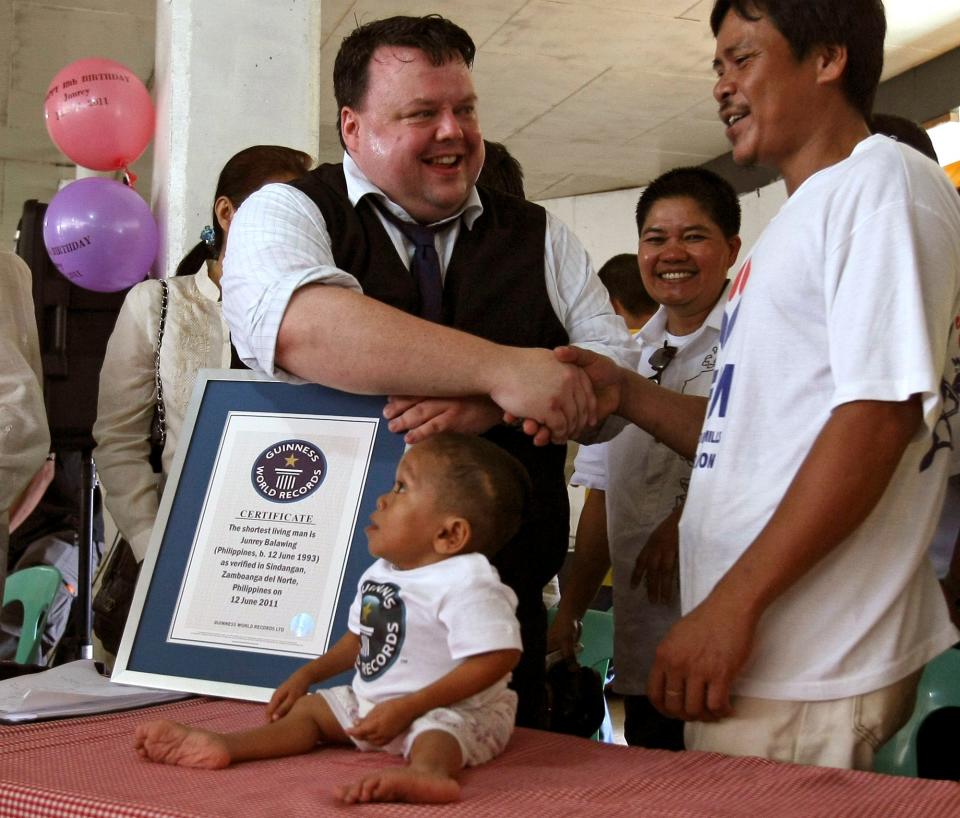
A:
x: 590, y: 95
x: 595, y: 95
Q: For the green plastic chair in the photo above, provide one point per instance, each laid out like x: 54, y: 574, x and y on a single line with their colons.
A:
x: 35, y: 588
x: 939, y: 687
x: 597, y: 640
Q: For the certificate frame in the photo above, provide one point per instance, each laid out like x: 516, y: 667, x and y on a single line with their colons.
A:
x: 147, y: 655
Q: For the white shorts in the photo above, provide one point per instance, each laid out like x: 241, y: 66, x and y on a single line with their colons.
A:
x: 481, y: 726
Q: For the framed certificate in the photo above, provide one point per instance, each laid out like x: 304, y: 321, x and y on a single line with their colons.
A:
x: 259, y: 544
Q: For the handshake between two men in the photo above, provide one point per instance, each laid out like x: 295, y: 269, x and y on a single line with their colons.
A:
x: 557, y: 396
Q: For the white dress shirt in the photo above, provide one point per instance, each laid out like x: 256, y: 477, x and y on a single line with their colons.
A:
x: 279, y: 243
x: 644, y: 482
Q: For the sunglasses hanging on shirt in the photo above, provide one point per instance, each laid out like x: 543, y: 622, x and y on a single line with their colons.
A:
x: 660, y: 359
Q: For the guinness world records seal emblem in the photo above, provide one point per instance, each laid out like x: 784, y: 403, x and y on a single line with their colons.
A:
x: 288, y: 471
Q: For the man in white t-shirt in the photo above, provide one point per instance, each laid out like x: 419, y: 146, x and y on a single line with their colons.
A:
x: 821, y: 455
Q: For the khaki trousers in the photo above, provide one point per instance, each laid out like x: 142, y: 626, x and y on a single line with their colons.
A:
x: 835, y: 733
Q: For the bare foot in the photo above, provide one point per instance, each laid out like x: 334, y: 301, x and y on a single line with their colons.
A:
x: 408, y: 784
x: 167, y: 742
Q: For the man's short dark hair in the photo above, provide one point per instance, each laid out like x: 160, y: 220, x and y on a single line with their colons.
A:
x: 501, y: 171
x: 906, y: 131
x: 712, y: 192
x: 860, y: 25
x: 481, y: 482
x: 437, y: 37
x: 621, y: 276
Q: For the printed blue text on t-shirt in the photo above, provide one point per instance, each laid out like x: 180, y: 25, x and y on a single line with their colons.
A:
x: 722, y: 386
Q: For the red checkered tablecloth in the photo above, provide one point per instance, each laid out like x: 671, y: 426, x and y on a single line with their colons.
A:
x: 86, y: 768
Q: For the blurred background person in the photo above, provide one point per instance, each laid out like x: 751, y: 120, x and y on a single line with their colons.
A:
x: 501, y: 170
x: 24, y: 435
x: 628, y: 296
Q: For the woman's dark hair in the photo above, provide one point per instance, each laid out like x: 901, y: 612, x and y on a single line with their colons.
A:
x: 244, y: 173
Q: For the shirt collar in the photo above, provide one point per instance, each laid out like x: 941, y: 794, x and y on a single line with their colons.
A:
x: 358, y: 186
x: 655, y: 329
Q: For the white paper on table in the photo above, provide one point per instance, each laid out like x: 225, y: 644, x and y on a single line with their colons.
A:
x: 73, y: 689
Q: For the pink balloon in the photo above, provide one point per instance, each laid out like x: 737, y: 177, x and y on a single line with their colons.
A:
x: 100, y: 234
x: 99, y: 114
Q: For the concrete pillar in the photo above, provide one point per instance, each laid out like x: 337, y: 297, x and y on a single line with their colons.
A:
x: 229, y: 75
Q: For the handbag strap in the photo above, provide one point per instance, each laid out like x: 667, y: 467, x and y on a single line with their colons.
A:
x: 161, y: 414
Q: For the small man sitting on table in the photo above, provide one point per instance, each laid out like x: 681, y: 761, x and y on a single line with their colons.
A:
x: 432, y: 634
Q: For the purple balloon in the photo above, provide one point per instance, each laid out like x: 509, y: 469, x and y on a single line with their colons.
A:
x: 100, y: 234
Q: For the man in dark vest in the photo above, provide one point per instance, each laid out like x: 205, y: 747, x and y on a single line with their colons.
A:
x: 329, y: 279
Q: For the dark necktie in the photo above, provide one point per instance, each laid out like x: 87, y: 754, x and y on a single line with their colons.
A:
x: 425, y: 264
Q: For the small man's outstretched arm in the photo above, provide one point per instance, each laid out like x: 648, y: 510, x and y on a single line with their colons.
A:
x: 338, y: 659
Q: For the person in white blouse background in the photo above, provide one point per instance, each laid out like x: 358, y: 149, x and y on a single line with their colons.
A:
x: 324, y: 282
x: 24, y: 436
x: 195, y: 336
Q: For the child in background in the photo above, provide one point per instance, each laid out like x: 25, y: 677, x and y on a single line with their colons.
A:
x: 432, y: 634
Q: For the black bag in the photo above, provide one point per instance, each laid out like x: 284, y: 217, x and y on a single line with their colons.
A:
x: 574, y: 700
x: 112, y: 601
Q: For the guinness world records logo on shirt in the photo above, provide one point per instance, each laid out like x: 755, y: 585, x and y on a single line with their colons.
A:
x: 289, y: 470
x: 382, y: 628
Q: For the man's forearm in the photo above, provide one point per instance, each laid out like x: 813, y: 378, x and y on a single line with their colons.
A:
x: 346, y: 340
x: 837, y: 486
x: 672, y: 418
x: 340, y: 338
x: 31, y: 496
x: 591, y: 557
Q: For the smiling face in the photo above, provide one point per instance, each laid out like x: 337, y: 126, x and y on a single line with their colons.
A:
x: 684, y: 258
x: 408, y: 518
x: 768, y: 99
x: 416, y: 134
